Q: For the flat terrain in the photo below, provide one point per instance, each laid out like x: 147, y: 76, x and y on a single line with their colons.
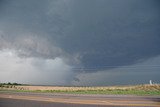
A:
x: 109, y: 90
x: 29, y: 99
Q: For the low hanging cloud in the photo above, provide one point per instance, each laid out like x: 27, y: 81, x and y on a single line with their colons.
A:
x: 29, y: 44
x: 33, y: 70
x: 139, y: 73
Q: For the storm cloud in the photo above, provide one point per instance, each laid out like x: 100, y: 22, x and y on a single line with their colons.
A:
x: 33, y: 70
x: 86, y: 36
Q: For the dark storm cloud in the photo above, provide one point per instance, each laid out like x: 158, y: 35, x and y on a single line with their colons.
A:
x: 88, y: 33
x: 113, y: 33
x: 25, y: 26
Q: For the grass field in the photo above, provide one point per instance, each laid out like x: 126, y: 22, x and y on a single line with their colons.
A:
x: 116, y: 90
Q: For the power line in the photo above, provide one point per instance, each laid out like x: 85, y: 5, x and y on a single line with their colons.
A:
x: 120, y: 67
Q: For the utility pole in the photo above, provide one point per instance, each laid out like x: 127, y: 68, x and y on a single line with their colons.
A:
x: 150, y: 82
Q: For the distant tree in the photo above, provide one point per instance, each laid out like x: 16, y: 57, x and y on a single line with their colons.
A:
x: 15, y: 84
x: 9, y: 83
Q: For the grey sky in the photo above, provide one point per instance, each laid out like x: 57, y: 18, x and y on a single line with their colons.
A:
x: 87, y: 42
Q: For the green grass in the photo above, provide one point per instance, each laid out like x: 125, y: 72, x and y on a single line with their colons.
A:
x: 117, y: 90
x: 108, y: 92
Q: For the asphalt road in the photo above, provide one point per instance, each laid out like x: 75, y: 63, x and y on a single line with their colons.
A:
x: 4, y: 102
x: 26, y: 99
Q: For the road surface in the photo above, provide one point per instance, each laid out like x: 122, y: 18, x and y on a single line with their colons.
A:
x: 27, y: 99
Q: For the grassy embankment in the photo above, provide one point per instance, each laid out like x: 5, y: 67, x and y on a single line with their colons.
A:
x: 116, y: 90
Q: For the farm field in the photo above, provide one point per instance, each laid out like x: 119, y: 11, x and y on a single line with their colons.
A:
x: 117, y: 90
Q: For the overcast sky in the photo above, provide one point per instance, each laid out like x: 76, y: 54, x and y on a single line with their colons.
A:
x: 80, y: 42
